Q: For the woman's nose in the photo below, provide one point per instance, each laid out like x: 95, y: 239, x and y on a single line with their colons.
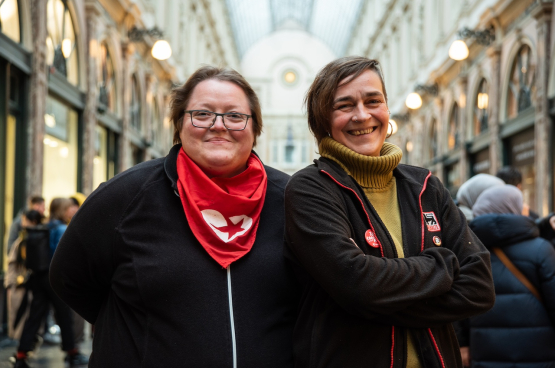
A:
x: 218, y: 123
x: 362, y: 112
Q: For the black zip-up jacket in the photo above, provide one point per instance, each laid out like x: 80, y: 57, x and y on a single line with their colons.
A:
x: 359, y: 302
x: 130, y: 264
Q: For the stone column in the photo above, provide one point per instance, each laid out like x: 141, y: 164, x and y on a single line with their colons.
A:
x: 37, y: 99
x: 494, y: 54
x: 93, y: 12
x: 463, y: 128
x: 542, y: 128
x: 126, y: 50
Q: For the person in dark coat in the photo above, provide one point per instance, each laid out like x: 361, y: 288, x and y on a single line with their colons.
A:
x: 385, y: 258
x: 519, y: 331
x: 178, y: 261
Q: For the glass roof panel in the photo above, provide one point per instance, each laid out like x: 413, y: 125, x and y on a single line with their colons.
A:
x: 331, y: 21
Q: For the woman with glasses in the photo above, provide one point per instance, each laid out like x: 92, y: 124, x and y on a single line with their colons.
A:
x: 179, y: 261
x: 385, y: 260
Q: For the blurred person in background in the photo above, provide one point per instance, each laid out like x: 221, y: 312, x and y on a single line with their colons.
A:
x: 519, y: 331
x: 385, y: 259
x: 179, y: 261
x: 16, y: 277
x: 35, y: 203
x: 511, y: 175
x: 471, y: 189
x: 44, y: 297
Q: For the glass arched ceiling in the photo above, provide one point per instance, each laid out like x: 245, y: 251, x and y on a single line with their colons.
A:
x: 331, y: 21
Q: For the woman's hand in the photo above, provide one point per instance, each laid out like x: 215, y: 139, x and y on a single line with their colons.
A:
x: 465, y: 355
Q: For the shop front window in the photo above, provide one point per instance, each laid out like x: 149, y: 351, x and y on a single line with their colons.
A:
x: 100, y: 161
x: 9, y: 19
x: 107, y: 86
x: 481, y: 109
x: 135, y: 108
x: 60, y: 150
x: 521, y: 84
x: 453, y: 137
x: 61, y: 45
x: 453, y: 178
x: 521, y: 153
x: 433, y: 139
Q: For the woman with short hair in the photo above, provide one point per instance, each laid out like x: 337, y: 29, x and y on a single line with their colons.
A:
x: 519, y: 331
x: 385, y: 259
x: 179, y: 261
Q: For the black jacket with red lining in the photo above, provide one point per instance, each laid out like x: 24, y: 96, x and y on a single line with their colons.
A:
x: 359, y: 301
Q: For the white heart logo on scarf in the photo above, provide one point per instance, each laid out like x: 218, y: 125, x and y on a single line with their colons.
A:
x: 239, y: 224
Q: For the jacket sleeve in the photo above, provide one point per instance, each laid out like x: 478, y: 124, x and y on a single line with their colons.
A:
x: 472, y: 292
x: 545, y: 257
x: 83, y: 264
x: 318, y: 240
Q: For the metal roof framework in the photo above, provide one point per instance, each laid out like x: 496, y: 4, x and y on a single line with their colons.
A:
x: 331, y: 21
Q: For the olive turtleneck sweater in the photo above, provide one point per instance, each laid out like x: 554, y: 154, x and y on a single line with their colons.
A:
x: 375, y: 176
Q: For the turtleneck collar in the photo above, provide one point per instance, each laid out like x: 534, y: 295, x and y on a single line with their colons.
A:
x: 369, y: 171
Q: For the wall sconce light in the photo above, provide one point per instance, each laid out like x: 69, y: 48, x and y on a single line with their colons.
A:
x: 161, y: 50
x: 414, y: 99
x: 409, y: 146
x: 459, y: 49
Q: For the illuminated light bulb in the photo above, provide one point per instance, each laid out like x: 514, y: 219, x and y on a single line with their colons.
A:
x: 64, y: 152
x: 46, y: 141
x: 458, y: 50
x: 96, y: 160
x: 161, y: 50
x: 53, y: 144
x: 409, y: 146
x: 413, y: 101
x: 482, y: 101
x: 67, y: 47
x: 290, y: 77
x: 392, y: 127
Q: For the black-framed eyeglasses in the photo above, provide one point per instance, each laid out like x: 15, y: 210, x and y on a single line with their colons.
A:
x: 206, y: 119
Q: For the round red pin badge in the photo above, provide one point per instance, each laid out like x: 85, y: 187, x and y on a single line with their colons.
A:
x: 437, y: 240
x: 371, y: 239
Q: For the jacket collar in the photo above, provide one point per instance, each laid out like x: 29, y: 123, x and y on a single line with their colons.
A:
x: 409, y: 174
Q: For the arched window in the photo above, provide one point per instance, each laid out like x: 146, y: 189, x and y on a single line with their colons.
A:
x: 107, y: 85
x: 9, y: 19
x: 453, y: 135
x: 135, y: 107
x: 481, y: 109
x: 433, y: 139
x: 61, y: 45
x: 521, y: 83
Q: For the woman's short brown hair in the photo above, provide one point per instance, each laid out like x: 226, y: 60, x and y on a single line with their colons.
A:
x: 181, y: 95
x: 319, y: 98
x: 58, y: 208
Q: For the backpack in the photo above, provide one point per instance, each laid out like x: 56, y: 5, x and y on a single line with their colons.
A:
x: 34, y: 249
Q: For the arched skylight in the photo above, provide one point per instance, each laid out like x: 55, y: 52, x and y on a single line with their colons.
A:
x: 331, y: 21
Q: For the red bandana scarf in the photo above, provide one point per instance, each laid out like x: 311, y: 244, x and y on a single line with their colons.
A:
x: 223, y: 213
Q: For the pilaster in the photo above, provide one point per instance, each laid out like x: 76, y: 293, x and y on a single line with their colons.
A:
x: 543, y: 130
x: 37, y: 99
x: 494, y: 54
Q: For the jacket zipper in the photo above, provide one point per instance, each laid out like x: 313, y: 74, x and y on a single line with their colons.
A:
x: 422, y: 249
x: 381, y: 250
x: 231, y: 319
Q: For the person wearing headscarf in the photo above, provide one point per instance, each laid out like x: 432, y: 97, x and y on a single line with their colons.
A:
x: 471, y: 189
x: 178, y: 261
x: 519, y: 331
x: 385, y: 259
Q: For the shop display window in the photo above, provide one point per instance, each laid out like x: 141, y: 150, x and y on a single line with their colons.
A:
x: 481, y: 109
x: 9, y: 19
x: 453, y: 135
x: 60, y: 150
